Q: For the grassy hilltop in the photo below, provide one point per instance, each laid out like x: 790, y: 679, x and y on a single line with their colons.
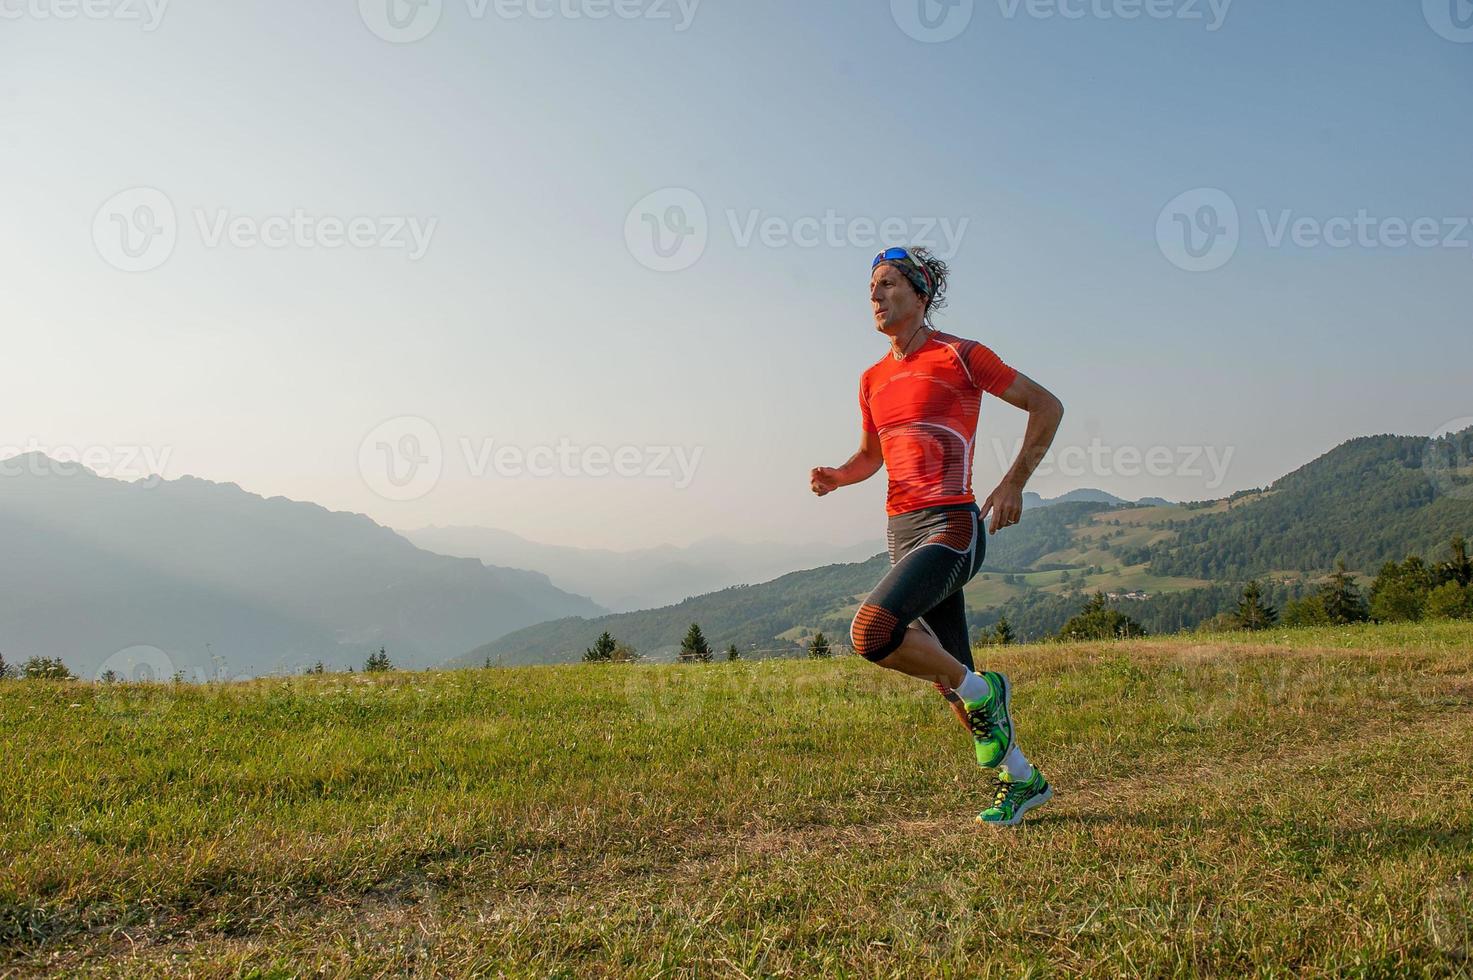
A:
x: 1298, y: 803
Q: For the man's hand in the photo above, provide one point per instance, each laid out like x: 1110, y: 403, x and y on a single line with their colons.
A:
x: 1006, y: 505
x: 823, y: 479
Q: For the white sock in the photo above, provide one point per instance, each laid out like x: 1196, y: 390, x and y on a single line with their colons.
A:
x: 1016, y: 765
x: 973, y: 688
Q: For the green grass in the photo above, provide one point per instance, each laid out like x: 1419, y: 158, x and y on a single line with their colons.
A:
x: 1295, y: 803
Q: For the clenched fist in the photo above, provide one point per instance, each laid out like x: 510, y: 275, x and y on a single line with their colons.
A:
x: 823, y: 479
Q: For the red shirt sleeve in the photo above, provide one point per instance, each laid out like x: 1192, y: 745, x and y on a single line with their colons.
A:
x: 988, y: 370
x: 865, y: 418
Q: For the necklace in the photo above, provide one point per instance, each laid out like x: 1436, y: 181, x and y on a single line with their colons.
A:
x: 901, y: 354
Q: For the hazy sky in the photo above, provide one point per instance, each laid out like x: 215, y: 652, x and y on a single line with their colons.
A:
x: 297, y: 245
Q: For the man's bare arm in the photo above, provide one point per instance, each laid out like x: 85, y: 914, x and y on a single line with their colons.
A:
x: 1044, y: 412
x: 860, y: 467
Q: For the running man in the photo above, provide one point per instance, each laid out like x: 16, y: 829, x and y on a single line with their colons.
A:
x: 919, y: 405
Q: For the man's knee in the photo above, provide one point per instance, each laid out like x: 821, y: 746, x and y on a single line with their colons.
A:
x: 875, y: 633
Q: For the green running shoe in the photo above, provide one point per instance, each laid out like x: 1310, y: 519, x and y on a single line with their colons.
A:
x: 991, y: 722
x: 1015, y: 799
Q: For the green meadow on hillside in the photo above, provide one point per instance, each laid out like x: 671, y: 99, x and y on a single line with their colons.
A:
x: 1290, y: 802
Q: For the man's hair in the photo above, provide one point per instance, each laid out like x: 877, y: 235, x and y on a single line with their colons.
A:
x: 936, y: 271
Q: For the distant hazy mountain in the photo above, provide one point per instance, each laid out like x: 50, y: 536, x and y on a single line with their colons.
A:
x: 1085, y: 495
x: 90, y: 566
x: 643, y: 578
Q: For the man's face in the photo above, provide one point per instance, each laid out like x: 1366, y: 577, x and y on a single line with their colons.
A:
x: 896, y: 304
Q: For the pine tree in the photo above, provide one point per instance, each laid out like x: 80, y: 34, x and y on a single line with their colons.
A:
x: 5, y: 668
x: 378, y: 662
x: 1096, y: 621
x: 1343, y: 601
x: 1459, y: 567
x: 1253, y: 613
x: 1002, y: 633
x: 819, y: 646
x: 694, y: 647
x: 732, y: 653
x: 602, y: 650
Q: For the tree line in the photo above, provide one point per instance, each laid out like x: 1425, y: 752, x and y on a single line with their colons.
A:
x: 694, y: 648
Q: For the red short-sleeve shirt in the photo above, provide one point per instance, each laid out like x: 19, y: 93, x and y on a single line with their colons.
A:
x: 924, y: 409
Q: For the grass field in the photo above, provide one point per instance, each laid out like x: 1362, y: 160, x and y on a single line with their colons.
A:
x: 1299, y: 803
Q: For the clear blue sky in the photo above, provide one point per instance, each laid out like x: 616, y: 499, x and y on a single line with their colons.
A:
x: 529, y: 320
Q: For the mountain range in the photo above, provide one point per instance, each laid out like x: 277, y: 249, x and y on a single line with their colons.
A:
x: 220, y: 580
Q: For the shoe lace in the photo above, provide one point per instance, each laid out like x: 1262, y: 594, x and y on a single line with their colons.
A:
x: 1004, y: 789
x: 981, y: 722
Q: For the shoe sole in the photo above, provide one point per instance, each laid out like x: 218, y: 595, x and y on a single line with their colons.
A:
x: 1028, y: 804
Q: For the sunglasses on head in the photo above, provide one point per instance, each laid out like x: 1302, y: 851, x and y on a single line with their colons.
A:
x: 900, y: 254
